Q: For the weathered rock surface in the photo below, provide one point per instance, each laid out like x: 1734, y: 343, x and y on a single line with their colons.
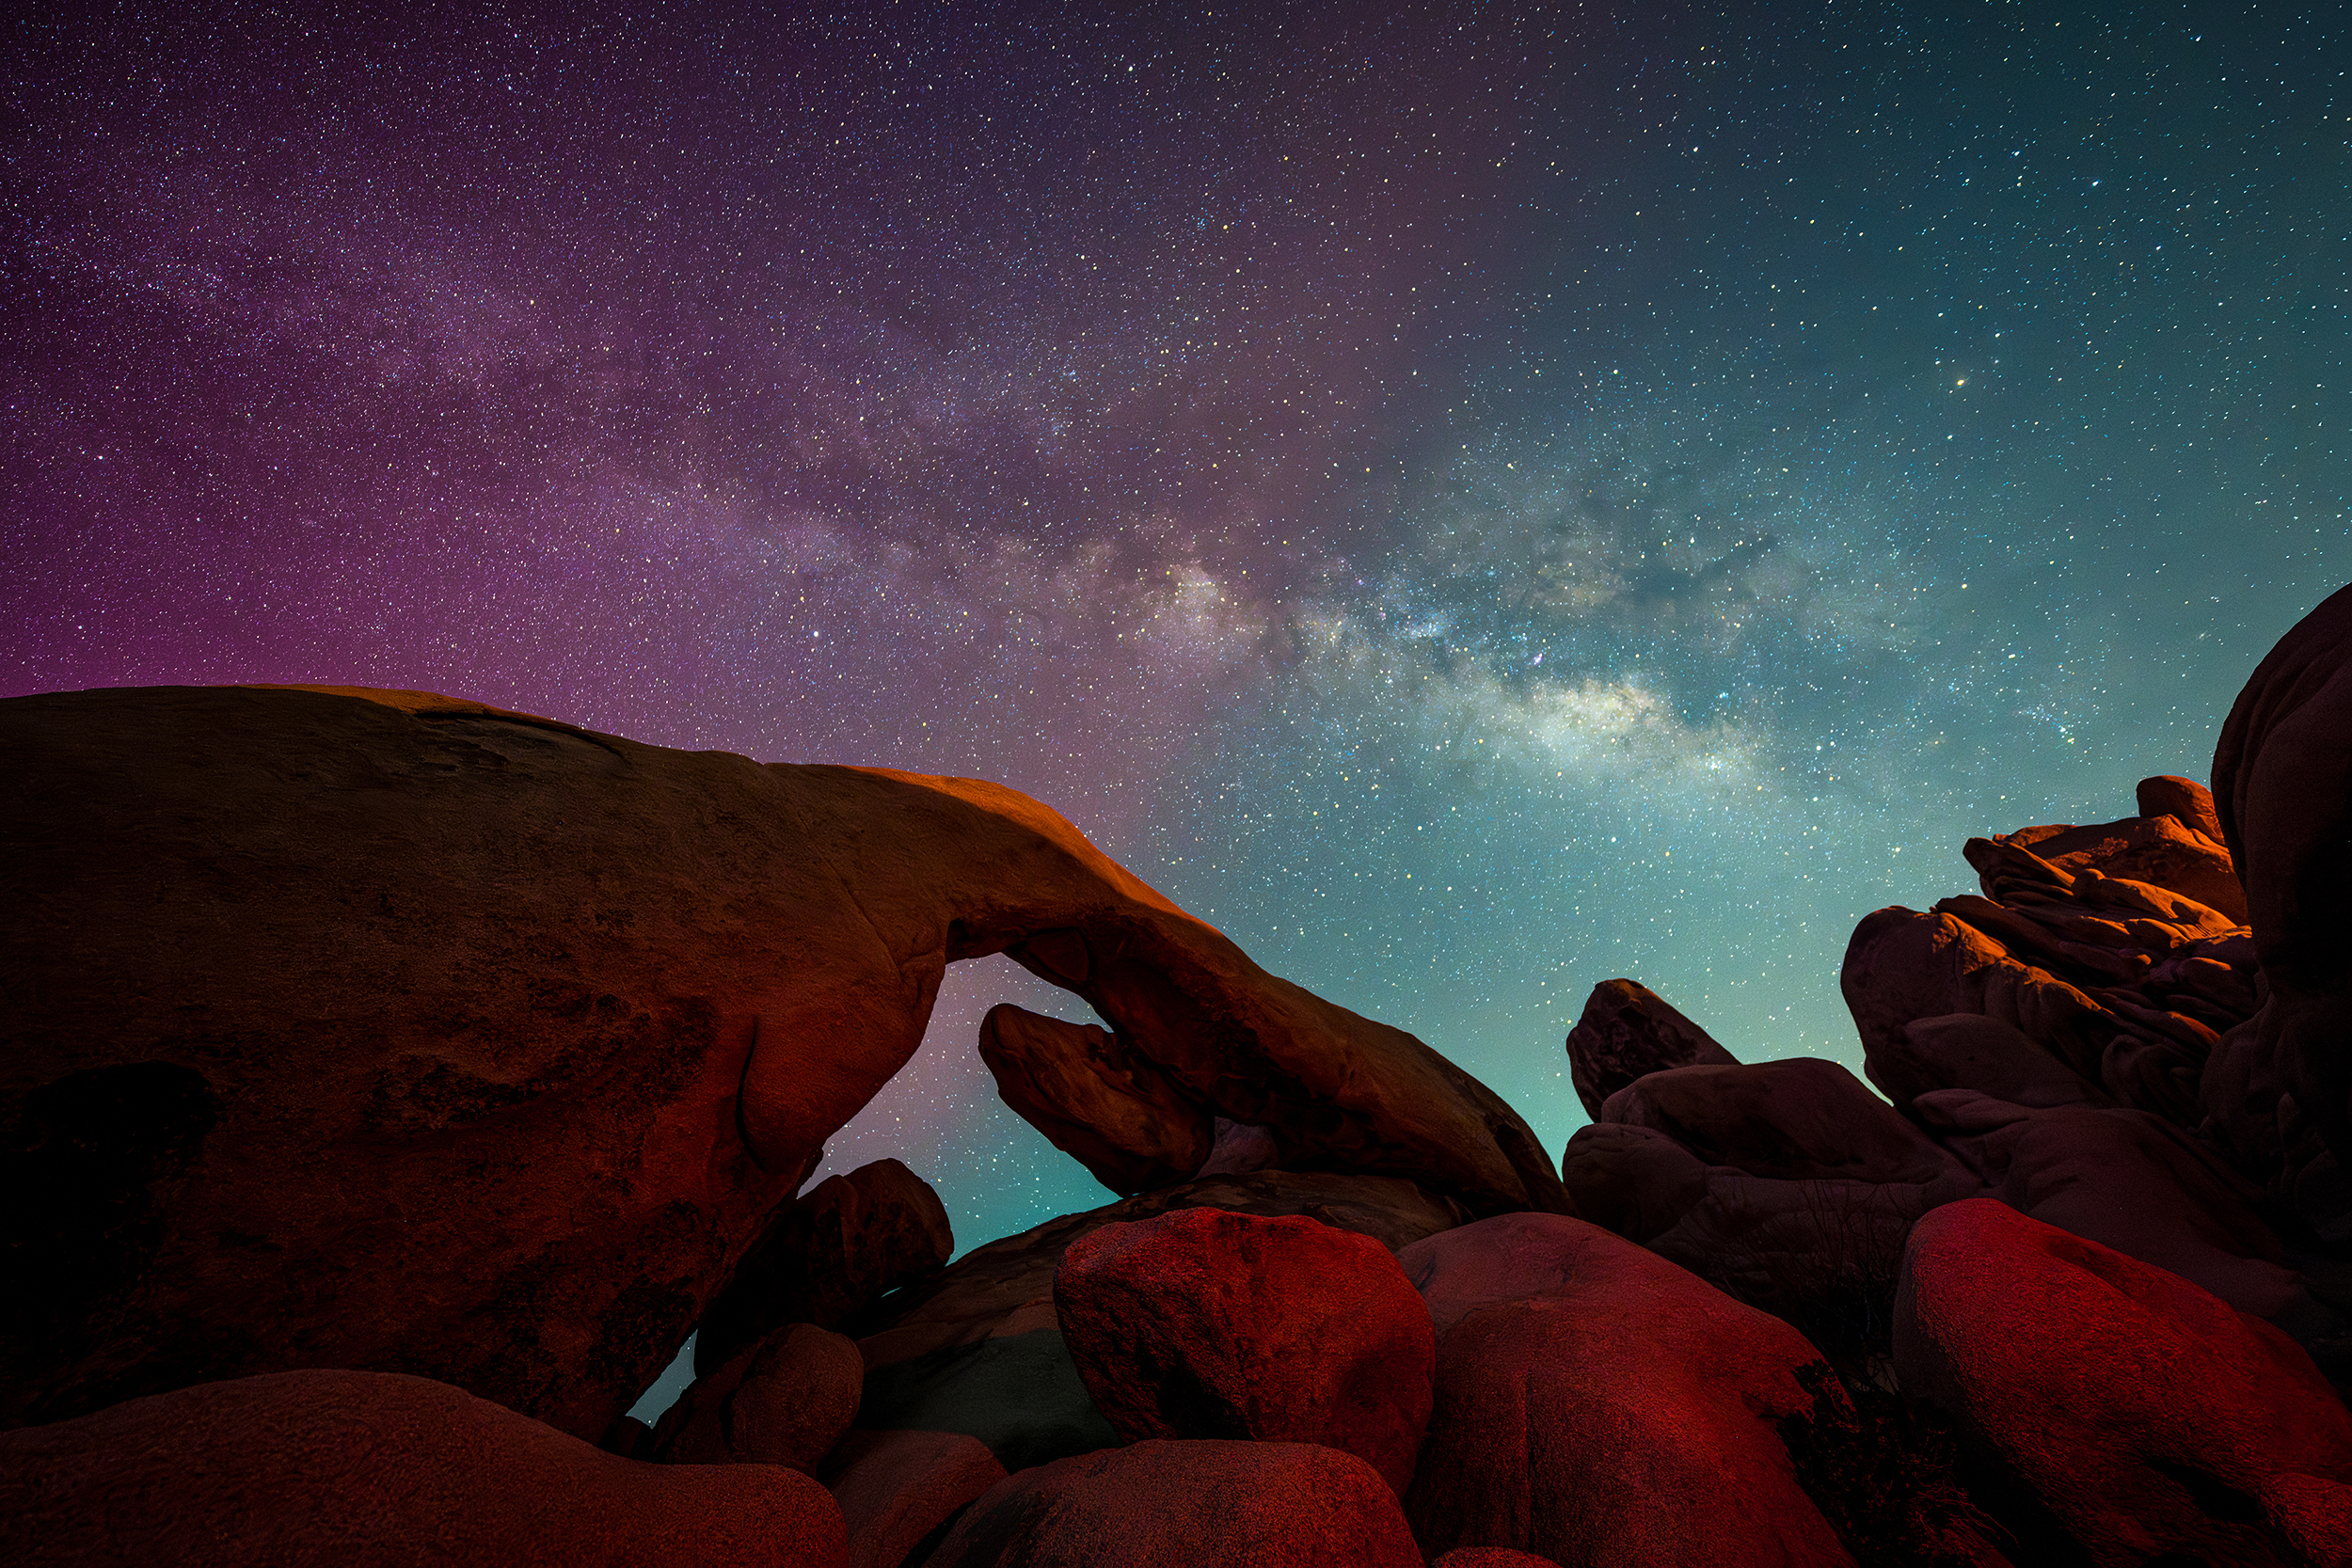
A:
x: 1626, y: 1031
x: 1787, y: 1183
x: 897, y: 1489
x: 1491, y: 1557
x: 1183, y: 1504
x: 784, y: 1401
x: 1103, y: 1105
x: 1207, y: 1323
x: 977, y: 1353
x: 2145, y: 1415
x: 2128, y: 983
x: 367, y: 1468
x: 384, y: 1030
x: 1598, y: 1405
x: 827, y: 1256
x: 2280, y: 1087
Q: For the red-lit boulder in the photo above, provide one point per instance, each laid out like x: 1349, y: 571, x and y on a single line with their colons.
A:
x: 1208, y: 1324
x: 1183, y: 1504
x: 2145, y: 1415
x: 366, y: 1468
x: 1491, y: 1557
x: 1598, y: 1405
x: 977, y: 1353
x: 385, y: 1030
x: 1627, y: 1031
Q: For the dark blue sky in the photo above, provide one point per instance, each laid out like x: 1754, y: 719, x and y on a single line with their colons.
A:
x: 1472, y: 502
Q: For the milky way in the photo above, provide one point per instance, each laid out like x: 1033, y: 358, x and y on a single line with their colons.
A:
x: 1473, y: 503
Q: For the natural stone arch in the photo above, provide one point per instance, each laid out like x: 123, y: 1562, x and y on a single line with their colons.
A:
x: 418, y: 1035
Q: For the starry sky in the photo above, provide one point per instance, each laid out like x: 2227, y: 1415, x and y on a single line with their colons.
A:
x: 1471, y: 500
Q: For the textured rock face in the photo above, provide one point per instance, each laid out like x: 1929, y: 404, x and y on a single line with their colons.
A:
x: 2280, y: 1088
x: 367, y: 1468
x: 973, y: 1367
x: 1179, y: 1505
x: 383, y: 1030
x: 1627, y: 1031
x: 2147, y: 1416
x: 827, y: 1256
x: 784, y: 1401
x: 1103, y: 1105
x: 1597, y: 1404
x: 1208, y: 1324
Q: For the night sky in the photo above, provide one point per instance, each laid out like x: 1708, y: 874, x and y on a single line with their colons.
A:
x: 1473, y: 502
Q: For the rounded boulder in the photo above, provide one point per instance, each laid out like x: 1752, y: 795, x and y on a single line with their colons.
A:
x: 1206, y: 1323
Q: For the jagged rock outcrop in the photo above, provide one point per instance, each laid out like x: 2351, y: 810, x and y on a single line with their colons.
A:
x: 377, y: 1470
x: 2144, y: 1414
x: 1596, y: 1403
x: 1105, y: 1106
x: 2130, y: 982
x: 1164, y: 1504
x: 1626, y: 1032
x: 827, y: 1256
x: 2280, y: 1086
x: 970, y: 1379
x: 385, y: 1030
x: 1211, y: 1324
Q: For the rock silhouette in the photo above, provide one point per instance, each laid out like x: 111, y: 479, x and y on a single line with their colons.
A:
x: 1627, y: 1032
x: 417, y: 1036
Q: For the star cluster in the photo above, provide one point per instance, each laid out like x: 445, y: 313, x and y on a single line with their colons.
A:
x: 1473, y: 502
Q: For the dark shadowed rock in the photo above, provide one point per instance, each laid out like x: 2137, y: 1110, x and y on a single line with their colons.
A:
x: 366, y: 1468
x: 2145, y: 1415
x: 1621, y: 1411
x: 1208, y: 1324
x: 1628, y: 1030
x: 1184, y: 1504
x: 897, y: 1488
x: 1970, y: 1050
x: 384, y: 1030
x: 1094, y: 1099
x: 1799, y: 1117
x: 784, y: 1401
x: 2283, y: 787
x: 977, y: 1353
x: 827, y: 1256
x: 1491, y: 1557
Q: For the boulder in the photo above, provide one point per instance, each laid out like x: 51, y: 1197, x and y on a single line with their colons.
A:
x: 827, y: 1256
x: 2145, y: 1415
x: 1183, y: 1504
x: 1597, y: 1404
x: 1491, y: 1557
x: 899, y: 1489
x: 784, y: 1401
x: 977, y: 1353
x: 366, y: 1468
x: 1207, y: 1323
x: 1627, y: 1031
x: 1801, y: 1117
x: 2282, y: 789
x: 1097, y: 1101
x: 391, y: 1031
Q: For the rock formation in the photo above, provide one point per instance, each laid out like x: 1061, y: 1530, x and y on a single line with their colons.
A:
x: 376, y: 1470
x: 383, y: 1030
x: 1206, y: 1323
